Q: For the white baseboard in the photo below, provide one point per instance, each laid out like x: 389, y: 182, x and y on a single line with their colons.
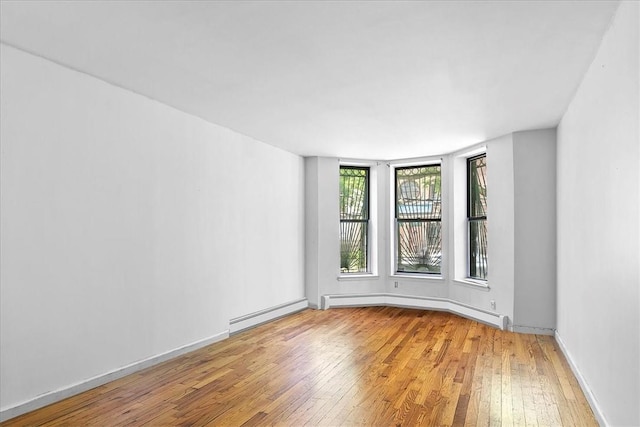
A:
x: 597, y: 411
x: 254, y: 319
x: 428, y: 303
x: 532, y: 330
x: 63, y: 393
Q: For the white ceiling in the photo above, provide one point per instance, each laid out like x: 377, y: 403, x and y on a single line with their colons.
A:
x: 381, y: 80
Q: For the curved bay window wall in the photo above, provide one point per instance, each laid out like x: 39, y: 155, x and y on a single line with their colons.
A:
x: 354, y: 219
x: 477, y: 216
x: 418, y: 215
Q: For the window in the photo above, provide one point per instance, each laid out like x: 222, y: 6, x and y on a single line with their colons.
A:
x: 477, y: 216
x: 418, y: 219
x: 354, y: 219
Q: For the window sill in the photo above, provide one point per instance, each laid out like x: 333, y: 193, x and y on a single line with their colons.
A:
x: 357, y: 276
x: 418, y: 276
x: 473, y: 284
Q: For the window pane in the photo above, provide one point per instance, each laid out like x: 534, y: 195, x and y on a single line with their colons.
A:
x: 478, y: 187
x: 478, y: 249
x: 418, y: 192
x: 354, y: 219
x: 354, y: 197
x: 353, y: 247
x: 419, y: 246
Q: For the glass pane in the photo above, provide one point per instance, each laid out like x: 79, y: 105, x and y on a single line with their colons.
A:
x: 419, y: 246
x: 354, y: 197
x: 418, y: 192
x: 478, y: 187
x: 478, y: 249
x: 353, y: 247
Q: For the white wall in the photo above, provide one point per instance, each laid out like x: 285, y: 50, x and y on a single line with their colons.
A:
x: 129, y: 228
x: 534, y: 154
x: 321, y: 222
x: 598, y: 220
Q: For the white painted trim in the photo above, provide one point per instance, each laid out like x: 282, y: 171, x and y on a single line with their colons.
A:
x: 415, y: 161
x: 254, y: 319
x: 472, y: 284
x: 355, y: 276
x: 532, y: 330
x: 428, y: 303
x: 416, y: 276
x: 359, y: 162
x: 597, y: 411
x: 60, y: 394
x: 324, y: 302
x: 474, y: 150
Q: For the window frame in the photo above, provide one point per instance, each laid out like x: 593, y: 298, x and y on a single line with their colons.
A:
x: 474, y: 219
x: 366, y: 222
x: 396, y: 222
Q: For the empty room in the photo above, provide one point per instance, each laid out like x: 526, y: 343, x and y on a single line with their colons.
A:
x: 326, y: 213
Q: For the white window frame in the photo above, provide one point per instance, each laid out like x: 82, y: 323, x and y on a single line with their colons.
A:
x: 459, y: 234
x: 372, y: 228
x: 393, y: 246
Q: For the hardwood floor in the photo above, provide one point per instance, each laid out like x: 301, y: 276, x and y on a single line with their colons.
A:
x: 368, y: 366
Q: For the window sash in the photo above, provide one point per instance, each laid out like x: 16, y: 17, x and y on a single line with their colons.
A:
x: 478, y: 257
x: 419, y: 243
x: 356, y: 204
x: 418, y: 195
x: 354, y: 246
x: 476, y: 187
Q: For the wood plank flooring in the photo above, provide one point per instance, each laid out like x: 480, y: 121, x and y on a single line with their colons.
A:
x: 351, y: 366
